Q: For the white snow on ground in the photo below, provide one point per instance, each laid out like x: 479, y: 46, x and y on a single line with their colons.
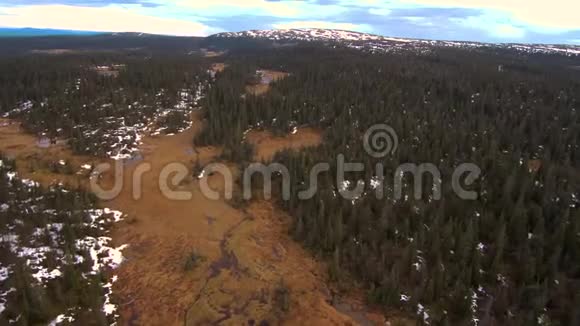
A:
x: 20, y: 108
x: 42, y: 275
x: 11, y: 175
x: 543, y: 319
x: 123, y: 139
x: 201, y: 174
x: 423, y: 313
x: 120, y: 136
x: 4, y: 272
x: 375, y: 182
x: 15, y: 320
x: 473, y: 307
x: 96, y: 217
x: 29, y: 183
x: 344, y: 185
x: 60, y: 319
x: 35, y: 258
x: 420, y: 262
x: 343, y: 189
x: 3, y: 301
x: 117, y: 215
x: 43, y: 242
x: 188, y: 101
x: 476, y: 295
x: 108, y: 307
x: 377, y: 43
x: 102, y: 255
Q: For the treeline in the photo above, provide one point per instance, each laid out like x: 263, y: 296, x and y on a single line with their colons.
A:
x: 124, y: 43
x: 511, y: 257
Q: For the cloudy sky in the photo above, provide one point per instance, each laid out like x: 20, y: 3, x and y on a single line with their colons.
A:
x: 555, y: 21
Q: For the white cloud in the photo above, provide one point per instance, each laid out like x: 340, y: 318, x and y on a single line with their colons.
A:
x: 495, y: 27
x: 105, y: 19
x: 419, y: 21
x: 296, y: 9
x: 323, y: 25
x: 227, y: 7
x: 508, y: 31
x: 558, y: 14
x: 380, y: 11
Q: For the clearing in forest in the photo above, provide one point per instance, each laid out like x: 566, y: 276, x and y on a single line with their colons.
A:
x: 218, y: 67
x: 266, y: 144
x: 199, y: 261
x: 54, y: 51
x: 213, y: 54
x: 264, y: 78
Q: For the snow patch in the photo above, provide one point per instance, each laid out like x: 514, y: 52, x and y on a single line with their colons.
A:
x: 60, y: 319
x: 423, y: 313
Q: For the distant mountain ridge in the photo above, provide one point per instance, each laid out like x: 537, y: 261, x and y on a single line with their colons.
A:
x: 32, y: 32
x: 35, y: 38
x: 377, y: 43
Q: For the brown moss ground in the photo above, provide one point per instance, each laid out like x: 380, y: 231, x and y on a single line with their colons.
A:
x: 234, y: 284
x: 260, y: 89
x: 267, y: 145
x: 246, y: 253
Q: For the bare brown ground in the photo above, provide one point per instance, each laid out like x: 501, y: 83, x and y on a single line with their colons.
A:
x: 54, y: 51
x: 267, y: 145
x: 107, y: 71
x: 18, y: 145
x: 260, y: 89
x: 218, y: 67
x: 245, y: 252
x: 213, y: 54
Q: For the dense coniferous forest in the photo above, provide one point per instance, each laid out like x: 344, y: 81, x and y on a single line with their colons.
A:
x: 511, y: 257
x: 54, y: 254
x: 102, y: 102
x: 130, y: 43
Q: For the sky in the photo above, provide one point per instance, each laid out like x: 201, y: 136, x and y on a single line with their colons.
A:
x: 522, y: 21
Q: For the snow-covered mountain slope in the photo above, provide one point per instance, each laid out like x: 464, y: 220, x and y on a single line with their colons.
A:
x: 377, y: 43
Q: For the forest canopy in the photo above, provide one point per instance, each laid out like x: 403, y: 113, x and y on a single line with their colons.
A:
x: 511, y: 257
